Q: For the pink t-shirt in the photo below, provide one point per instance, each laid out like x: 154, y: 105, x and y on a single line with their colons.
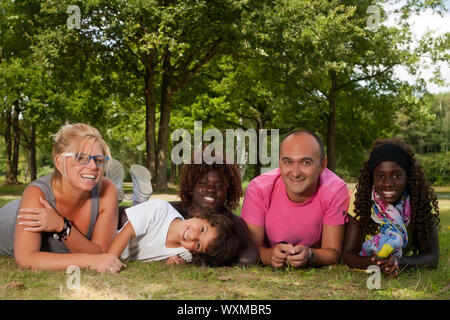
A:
x: 267, y: 205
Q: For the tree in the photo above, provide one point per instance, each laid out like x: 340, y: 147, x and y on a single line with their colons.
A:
x: 426, y: 128
x: 328, y: 52
x: 165, y: 44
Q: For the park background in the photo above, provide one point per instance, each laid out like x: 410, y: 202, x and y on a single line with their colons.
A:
x: 351, y: 71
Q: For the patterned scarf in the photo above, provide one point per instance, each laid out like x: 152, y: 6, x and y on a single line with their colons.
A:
x: 393, y: 220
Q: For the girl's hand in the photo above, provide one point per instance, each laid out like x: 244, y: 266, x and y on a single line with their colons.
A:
x: 388, y: 266
x: 173, y: 260
x: 41, y: 219
x: 105, y: 262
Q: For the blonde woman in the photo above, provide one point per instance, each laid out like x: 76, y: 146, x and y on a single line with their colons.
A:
x: 68, y: 217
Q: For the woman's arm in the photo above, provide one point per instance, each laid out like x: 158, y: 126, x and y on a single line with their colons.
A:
x: 27, y: 244
x: 46, y: 219
x: 353, y: 243
x: 352, y: 246
x: 429, y: 259
x: 256, y: 235
x: 247, y: 252
x: 76, y: 242
x: 108, y: 216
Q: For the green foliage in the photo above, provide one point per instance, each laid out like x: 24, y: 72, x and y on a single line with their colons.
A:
x: 436, y: 167
x: 427, y: 127
x: 273, y: 67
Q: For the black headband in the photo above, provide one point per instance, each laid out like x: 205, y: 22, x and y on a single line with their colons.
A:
x: 390, y: 152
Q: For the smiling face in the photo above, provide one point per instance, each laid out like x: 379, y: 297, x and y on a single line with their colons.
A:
x: 389, y: 181
x: 196, y: 234
x: 80, y: 176
x: 210, y: 191
x: 300, y: 166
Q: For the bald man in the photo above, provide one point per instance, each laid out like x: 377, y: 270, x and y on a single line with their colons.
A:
x: 296, y: 213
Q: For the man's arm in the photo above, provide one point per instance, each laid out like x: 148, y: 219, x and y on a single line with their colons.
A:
x: 275, y: 256
x: 328, y: 254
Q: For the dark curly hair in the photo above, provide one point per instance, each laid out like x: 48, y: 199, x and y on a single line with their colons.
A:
x: 424, y: 203
x: 191, y: 173
x: 222, y: 249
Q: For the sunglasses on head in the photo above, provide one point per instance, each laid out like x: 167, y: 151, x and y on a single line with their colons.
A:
x: 84, y: 158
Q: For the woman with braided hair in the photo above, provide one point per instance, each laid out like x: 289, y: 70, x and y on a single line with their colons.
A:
x: 394, y: 216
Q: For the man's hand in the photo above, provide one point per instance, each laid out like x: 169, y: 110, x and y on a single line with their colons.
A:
x: 300, y: 257
x: 280, y: 253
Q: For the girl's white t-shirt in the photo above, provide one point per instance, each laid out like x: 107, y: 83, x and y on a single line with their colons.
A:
x: 151, y: 221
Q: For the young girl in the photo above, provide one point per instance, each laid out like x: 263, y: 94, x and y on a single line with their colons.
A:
x: 156, y: 231
x: 395, y: 211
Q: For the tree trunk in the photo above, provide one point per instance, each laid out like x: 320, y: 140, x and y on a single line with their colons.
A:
x: 150, y: 122
x: 163, y: 132
x: 33, y: 152
x: 16, y: 140
x: 258, y: 165
x: 173, y: 172
x: 8, y: 145
x: 331, y: 132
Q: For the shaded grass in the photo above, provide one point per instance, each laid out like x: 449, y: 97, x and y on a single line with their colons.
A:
x: 12, y: 190
x: 159, y: 281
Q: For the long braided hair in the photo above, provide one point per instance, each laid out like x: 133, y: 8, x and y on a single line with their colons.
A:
x: 424, y: 202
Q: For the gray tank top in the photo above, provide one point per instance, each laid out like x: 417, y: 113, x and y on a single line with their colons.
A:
x: 8, y: 217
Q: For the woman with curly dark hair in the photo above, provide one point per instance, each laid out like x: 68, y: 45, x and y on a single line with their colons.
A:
x: 394, y: 217
x: 218, y: 187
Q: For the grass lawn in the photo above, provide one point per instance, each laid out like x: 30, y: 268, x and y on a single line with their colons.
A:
x: 159, y: 281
